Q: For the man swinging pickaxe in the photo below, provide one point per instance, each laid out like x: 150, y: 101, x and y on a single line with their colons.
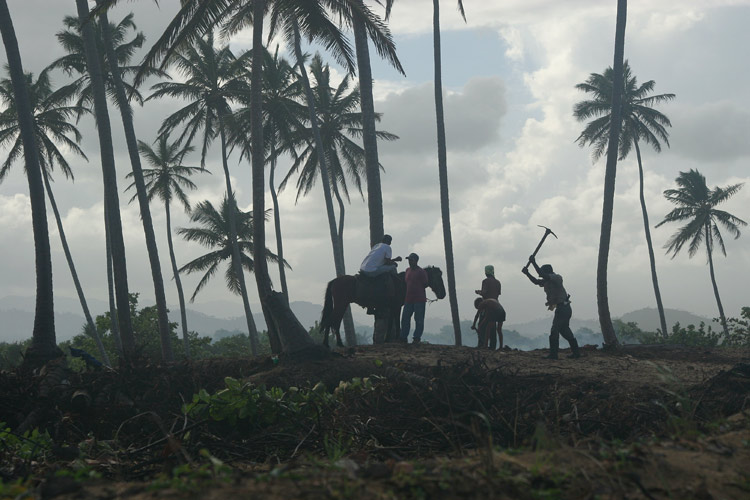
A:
x: 557, y: 300
x: 547, y: 232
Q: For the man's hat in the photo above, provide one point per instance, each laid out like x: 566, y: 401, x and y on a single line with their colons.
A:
x: 489, y: 270
x: 412, y: 256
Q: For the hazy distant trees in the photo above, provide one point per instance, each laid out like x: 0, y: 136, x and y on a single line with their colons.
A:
x: 640, y: 122
x: 696, y: 207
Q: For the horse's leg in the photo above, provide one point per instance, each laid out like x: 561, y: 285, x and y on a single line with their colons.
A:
x: 339, y: 309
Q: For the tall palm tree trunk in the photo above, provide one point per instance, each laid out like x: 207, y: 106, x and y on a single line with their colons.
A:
x: 652, y: 260
x: 126, y: 112
x: 273, y: 334
x: 111, y: 289
x: 236, y: 260
x: 338, y: 250
x: 349, y: 332
x: 292, y: 334
x: 277, y: 223
x: 111, y: 196
x: 443, y: 175
x: 91, y: 327
x: 178, y: 283
x: 722, y: 318
x: 43, y: 341
x: 369, y: 139
x: 338, y: 258
x: 602, y: 300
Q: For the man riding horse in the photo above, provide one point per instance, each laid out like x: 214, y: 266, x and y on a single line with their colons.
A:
x: 377, y: 263
x: 385, y: 291
x: 379, y: 260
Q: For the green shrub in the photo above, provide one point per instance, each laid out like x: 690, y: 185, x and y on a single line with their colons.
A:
x: 691, y: 336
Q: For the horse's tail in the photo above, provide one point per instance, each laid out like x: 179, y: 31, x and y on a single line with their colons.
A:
x: 325, y: 318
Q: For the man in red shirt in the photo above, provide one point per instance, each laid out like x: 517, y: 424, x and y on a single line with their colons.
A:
x: 416, y: 298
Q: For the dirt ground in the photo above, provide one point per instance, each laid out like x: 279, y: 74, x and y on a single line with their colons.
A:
x: 440, y: 422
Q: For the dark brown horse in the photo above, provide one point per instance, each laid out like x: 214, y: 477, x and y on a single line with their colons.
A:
x: 342, y: 291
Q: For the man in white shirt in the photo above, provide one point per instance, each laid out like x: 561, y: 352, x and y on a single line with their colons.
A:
x: 379, y: 260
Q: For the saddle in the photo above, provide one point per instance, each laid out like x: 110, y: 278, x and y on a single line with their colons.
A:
x: 373, y: 292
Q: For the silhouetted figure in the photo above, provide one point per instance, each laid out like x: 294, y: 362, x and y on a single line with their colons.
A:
x: 558, y: 300
x: 490, y: 285
x: 491, y: 316
x: 379, y: 260
x: 415, y: 300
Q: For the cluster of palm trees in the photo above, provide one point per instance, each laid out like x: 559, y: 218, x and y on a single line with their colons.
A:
x: 623, y: 117
x: 264, y: 107
x: 256, y: 103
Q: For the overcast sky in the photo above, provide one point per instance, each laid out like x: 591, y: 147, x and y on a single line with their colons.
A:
x: 509, y: 74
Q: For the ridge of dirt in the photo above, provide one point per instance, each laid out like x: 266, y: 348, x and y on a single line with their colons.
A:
x: 441, y: 422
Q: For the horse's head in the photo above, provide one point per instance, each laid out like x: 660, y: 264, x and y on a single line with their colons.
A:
x: 435, y: 281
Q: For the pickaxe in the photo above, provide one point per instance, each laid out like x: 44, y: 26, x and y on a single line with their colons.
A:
x: 547, y: 231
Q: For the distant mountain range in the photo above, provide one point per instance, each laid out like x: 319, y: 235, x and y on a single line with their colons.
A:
x: 17, y: 319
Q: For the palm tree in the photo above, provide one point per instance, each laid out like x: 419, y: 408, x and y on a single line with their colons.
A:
x: 74, y: 61
x: 283, y: 114
x: 640, y: 121
x: 289, y: 18
x: 443, y: 168
x: 51, y: 123
x: 111, y: 195
x: 43, y: 342
x: 696, y: 206
x: 292, y: 335
x: 610, y: 173
x: 213, y: 232
x: 214, y: 78
x: 386, y: 48
x: 325, y: 175
x: 167, y: 180
x: 339, y: 122
x: 197, y: 17
x: 114, y: 52
x: 126, y: 113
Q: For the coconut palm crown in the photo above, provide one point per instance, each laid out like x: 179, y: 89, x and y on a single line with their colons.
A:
x: 640, y: 121
x: 212, y: 231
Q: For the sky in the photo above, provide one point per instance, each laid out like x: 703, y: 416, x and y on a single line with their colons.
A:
x: 509, y: 76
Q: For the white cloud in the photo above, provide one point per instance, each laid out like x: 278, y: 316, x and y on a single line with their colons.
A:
x: 15, y: 211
